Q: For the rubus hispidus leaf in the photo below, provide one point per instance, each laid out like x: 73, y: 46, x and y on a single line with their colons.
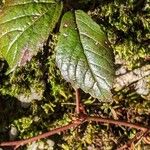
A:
x: 84, y: 55
x: 24, y: 26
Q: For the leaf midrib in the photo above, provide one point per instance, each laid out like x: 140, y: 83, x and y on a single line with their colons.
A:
x: 25, y: 31
x: 93, y: 31
x: 95, y: 80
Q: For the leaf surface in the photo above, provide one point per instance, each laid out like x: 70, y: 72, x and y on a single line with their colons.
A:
x: 24, y: 26
x: 84, y: 56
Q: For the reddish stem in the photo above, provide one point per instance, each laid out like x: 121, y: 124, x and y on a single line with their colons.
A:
x: 135, y: 140
x: 41, y: 136
x: 80, y: 120
x: 77, y: 101
x: 119, y: 123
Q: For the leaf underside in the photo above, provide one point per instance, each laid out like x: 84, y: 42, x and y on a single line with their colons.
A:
x: 84, y: 56
x: 24, y: 26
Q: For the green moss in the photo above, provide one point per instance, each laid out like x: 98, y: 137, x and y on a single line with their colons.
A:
x: 127, y: 26
x: 128, y: 31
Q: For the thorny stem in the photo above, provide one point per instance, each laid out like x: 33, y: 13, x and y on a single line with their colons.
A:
x: 19, y: 143
x: 74, y: 124
x: 135, y: 140
x: 80, y: 119
x: 119, y: 123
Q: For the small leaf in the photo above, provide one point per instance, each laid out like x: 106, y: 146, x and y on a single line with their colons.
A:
x: 84, y: 55
x: 24, y: 26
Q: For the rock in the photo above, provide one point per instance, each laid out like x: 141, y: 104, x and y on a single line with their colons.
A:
x: 13, y: 133
x: 137, y: 77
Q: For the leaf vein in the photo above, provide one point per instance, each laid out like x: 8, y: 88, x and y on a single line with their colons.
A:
x: 17, y: 18
x: 102, y: 78
x: 100, y: 56
x: 27, y: 3
x: 82, y: 33
x: 88, y: 62
x: 101, y: 67
x: 26, y: 30
x: 10, y: 32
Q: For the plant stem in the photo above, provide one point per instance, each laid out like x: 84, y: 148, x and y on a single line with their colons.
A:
x: 119, y: 123
x: 138, y: 137
x: 19, y: 143
x: 74, y: 124
x: 77, y: 101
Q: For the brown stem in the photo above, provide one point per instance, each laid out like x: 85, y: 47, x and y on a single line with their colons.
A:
x: 82, y: 118
x: 129, y: 143
x: 77, y: 101
x: 41, y: 136
x: 135, y: 140
x: 119, y: 123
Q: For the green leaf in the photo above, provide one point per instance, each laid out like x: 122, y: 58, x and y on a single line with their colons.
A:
x: 84, y: 55
x: 24, y: 26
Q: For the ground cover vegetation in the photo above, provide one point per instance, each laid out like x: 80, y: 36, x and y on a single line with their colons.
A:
x: 36, y: 98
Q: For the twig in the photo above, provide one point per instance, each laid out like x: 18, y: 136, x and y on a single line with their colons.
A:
x: 119, y: 123
x: 19, y: 143
x: 78, y: 121
x: 142, y: 136
x: 77, y: 101
x: 129, y: 143
x: 68, y: 104
x: 138, y: 137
